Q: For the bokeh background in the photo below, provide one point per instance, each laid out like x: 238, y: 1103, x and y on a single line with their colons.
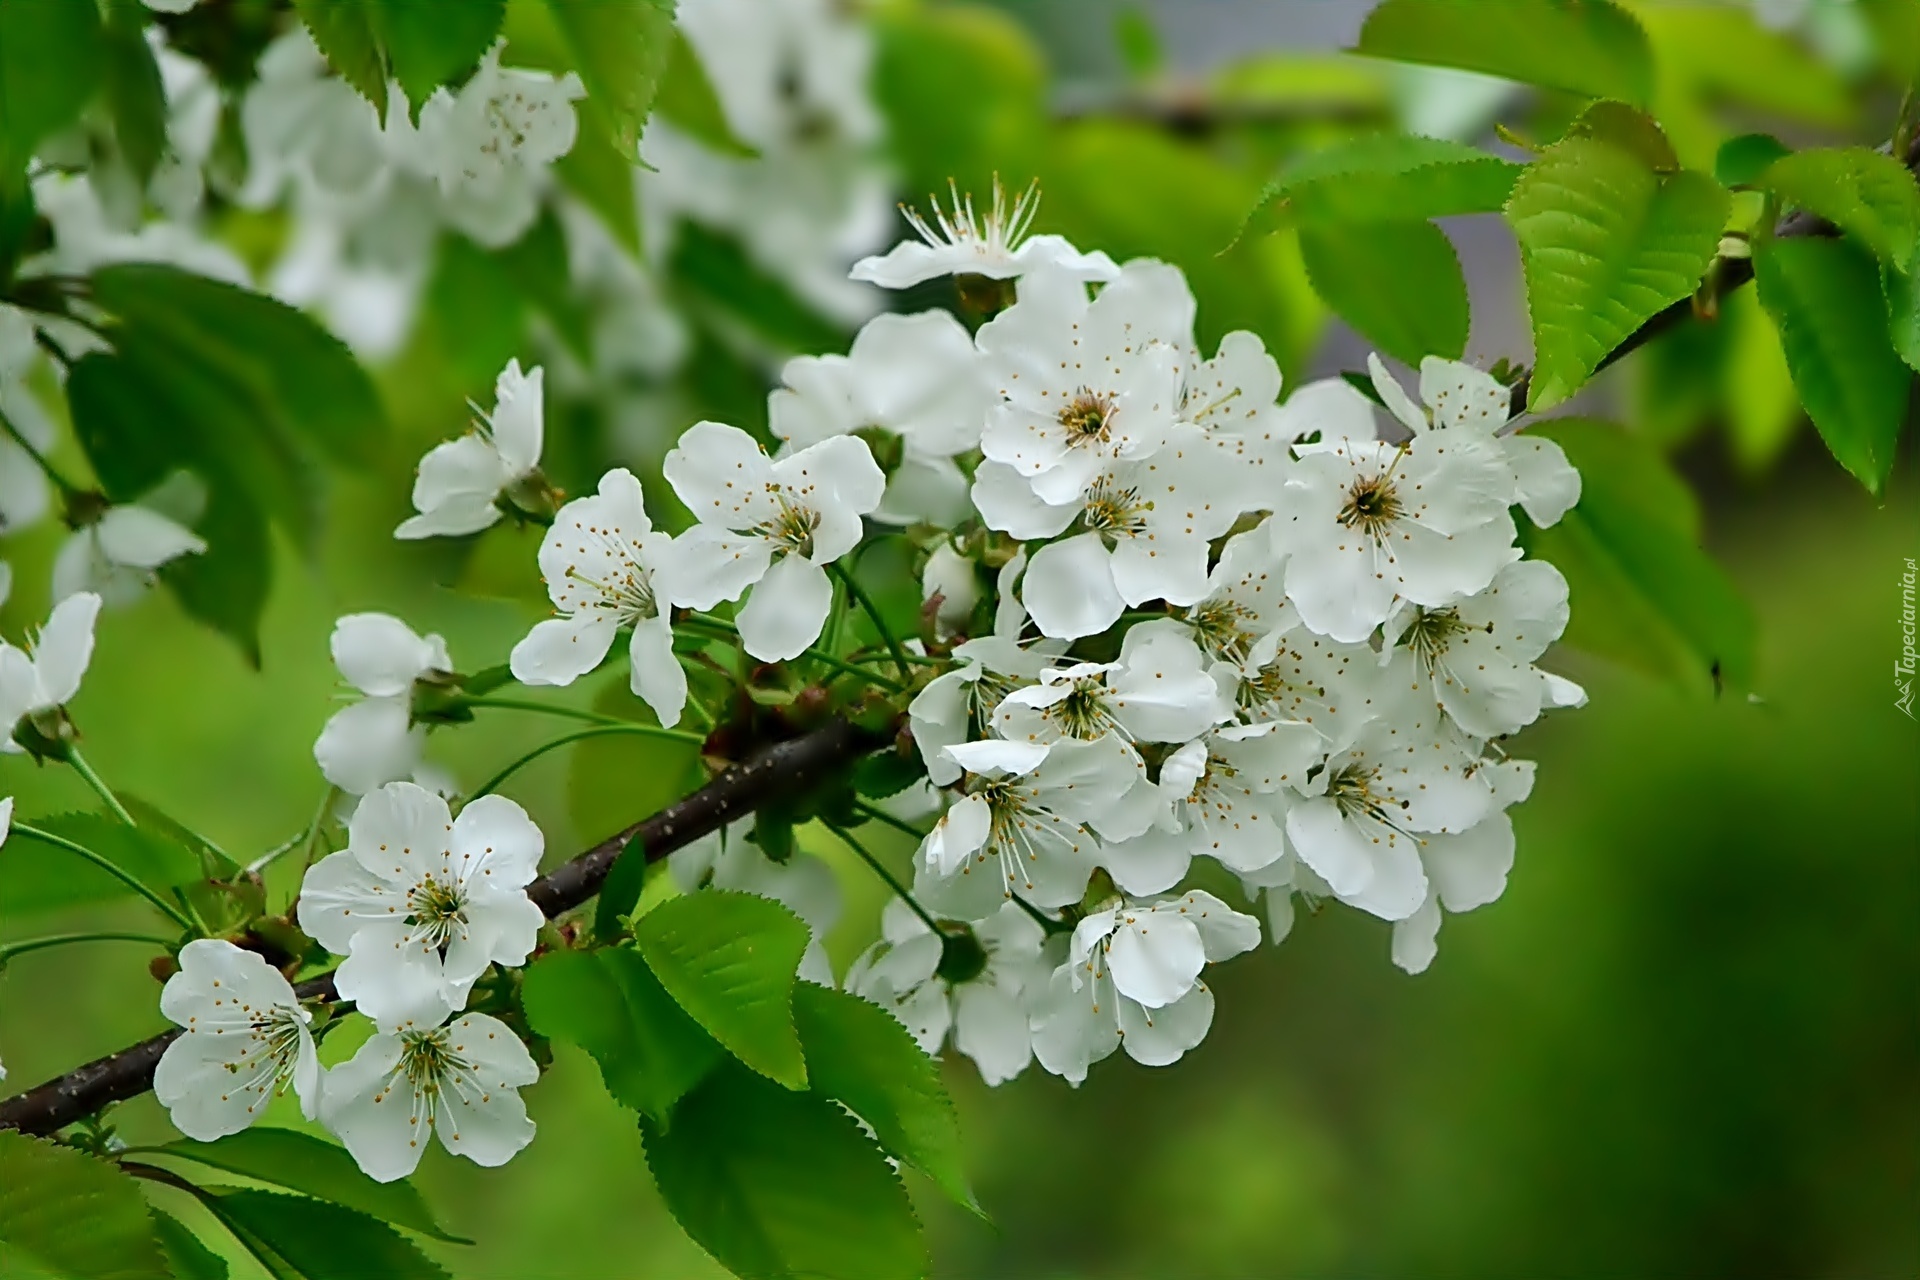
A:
x: 1686, y: 1041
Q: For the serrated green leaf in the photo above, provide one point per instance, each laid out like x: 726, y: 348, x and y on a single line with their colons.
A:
x: 1643, y: 591
x: 429, y: 43
x: 1395, y: 178
x: 1867, y: 194
x: 1591, y: 47
x: 314, y: 1167
x: 778, y: 1185
x: 37, y: 877
x: 1605, y: 243
x: 320, y: 1241
x: 50, y: 59
x: 608, y: 1002
x: 326, y: 397
x: 620, y: 49
x: 135, y: 96
x: 887, y: 773
x: 620, y: 891
x: 1741, y: 160
x: 187, y: 1257
x: 1399, y: 284
x: 688, y: 101
x: 1630, y: 129
x: 1824, y: 296
x: 47, y: 1193
x: 730, y: 960
x: 1903, y: 313
x: 861, y: 1055
x: 343, y: 30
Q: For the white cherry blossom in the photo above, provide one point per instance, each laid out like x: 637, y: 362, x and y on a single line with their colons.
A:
x: 957, y: 241
x: 974, y: 985
x: 420, y: 903
x: 1132, y: 979
x: 917, y: 378
x: 118, y: 555
x: 46, y: 674
x: 1085, y: 383
x: 244, y: 1040
x: 769, y: 529
x: 461, y: 481
x: 1368, y: 521
x: 374, y: 741
x: 461, y: 1081
x: 606, y: 567
x: 1158, y: 691
x: 1464, y: 399
x: 1464, y: 870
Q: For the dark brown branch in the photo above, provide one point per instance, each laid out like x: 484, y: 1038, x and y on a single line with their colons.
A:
x: 778, y: 771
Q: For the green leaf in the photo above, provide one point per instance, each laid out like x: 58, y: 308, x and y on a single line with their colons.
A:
x: 610, y: 1004
x: 620, y: 49
x: 1630, y: 129
x: 429, y: 43
x: 1823, y: 295
x: 135, y: 96
x: 37, y: 877
x: 1643, y: 591
x: 887, y: 773
x: 860, y: 1054
x: 688, y: 101
x: 73, y: 1215
x: 323, y: 392
x: 779, y: 1185
x: 603, y: 178
x: 50, y: 60
x: 1384, y: 178
x: 620, y: 891
x: 1399, y: 284
x: 1903, y: 313
x: 187, y: 1257
x: 1741, y: 160
x: 1867, y: 194
x: 1606, y: 244
x: 343, y: 30
x: 315, y: 1167
x: 226, y: 586
x: 320, y: 1241
x: 1590, y: 47
x: 729, y: 959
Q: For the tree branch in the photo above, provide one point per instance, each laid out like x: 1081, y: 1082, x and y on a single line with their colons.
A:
x: 776, y: 772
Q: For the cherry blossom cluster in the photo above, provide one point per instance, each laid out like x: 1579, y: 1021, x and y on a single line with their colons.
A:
x: 421, y: 904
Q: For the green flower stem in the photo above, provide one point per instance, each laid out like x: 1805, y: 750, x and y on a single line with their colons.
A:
x: 891, y: 880
x: 12, y: 949
x: 113, y: 869
x: 85, y: 770
x: 878, y: 814
x: 303, y: 841
x: 66, y: 487
x: 1046, y: 922
x: 553, y: 709
x: 598, y: 731
x: 859, y: 593
x: 720, y: 630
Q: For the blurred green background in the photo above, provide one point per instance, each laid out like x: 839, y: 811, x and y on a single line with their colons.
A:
x: 1686, y: 1041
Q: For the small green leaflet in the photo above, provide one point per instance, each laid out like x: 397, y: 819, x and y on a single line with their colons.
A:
x: 1594, y: 48
x: 1606, y: 243
x: 1825, y: 297
x: 47, y: 1191
x: 861, y: 1055
x: 1867, y: 194
x: 779, y: 1185
x: 1643, y: 591
x: 420, y: 43
x: 1383, y: 178
x: 1398, y: 283
x: 729, y: 959
x: 1741, y: 160
x: 620, y: 891
x: 301, y: 1162
x: 610, y: 1004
